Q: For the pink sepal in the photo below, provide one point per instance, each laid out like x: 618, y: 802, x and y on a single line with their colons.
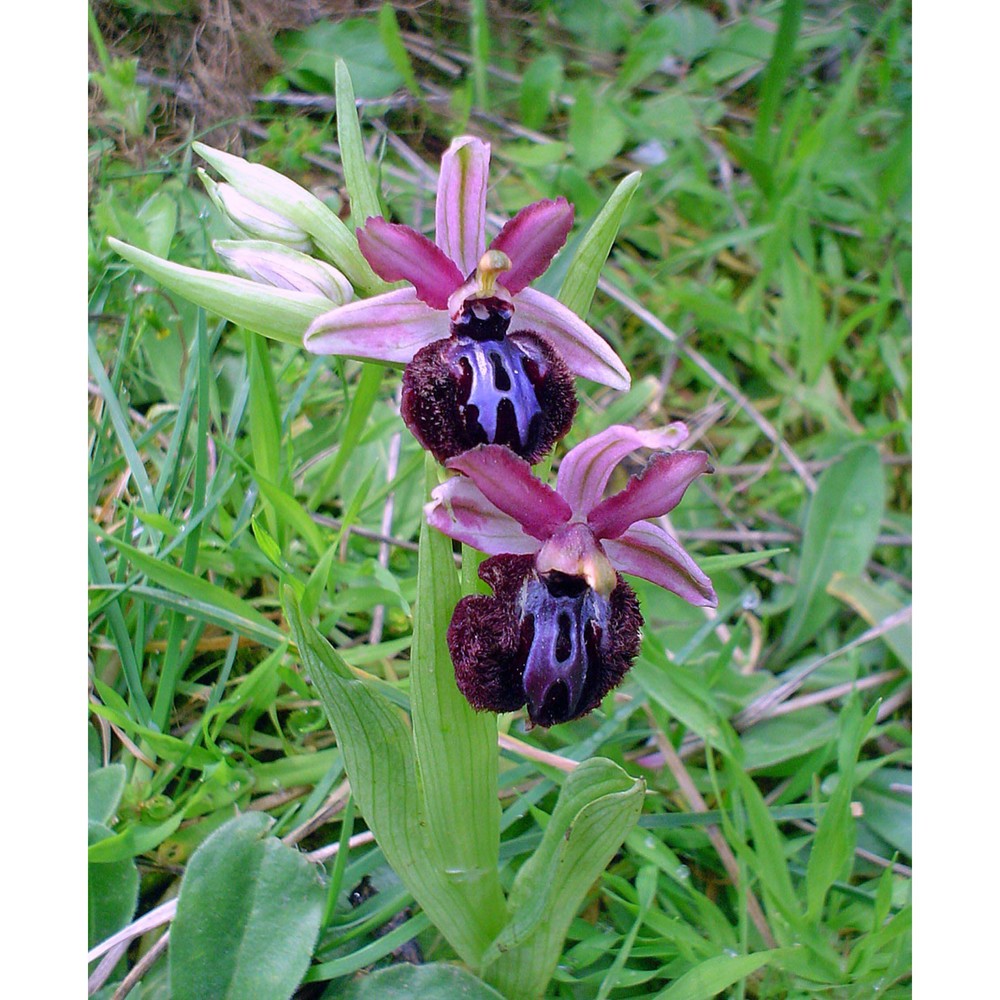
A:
x: 531, y: 239
x: 458, y: 509
x: 646, y: 550
x: 389, y: 327
x: 507, y: 482
x: 582, y: 349
x: 460, y: 210
x: 652, y: 493
x: 399, y: 253
x: 585, y: 470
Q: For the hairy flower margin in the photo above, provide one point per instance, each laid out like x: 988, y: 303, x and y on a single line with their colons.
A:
x: 489, y: 359
x: 562, y: 626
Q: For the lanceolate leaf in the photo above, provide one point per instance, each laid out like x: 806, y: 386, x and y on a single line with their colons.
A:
x: 364, y: 197
x: 378, y: 753
x: 833, y: 848
x: 112, y: 890
x: 711, y: 977
x: 247, y: 918
x: 434, y: 981
x: 580, y: 282
x: 841, y: 528
x: 598, y: 805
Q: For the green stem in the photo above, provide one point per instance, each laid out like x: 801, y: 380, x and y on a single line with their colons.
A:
x: 456, y: 747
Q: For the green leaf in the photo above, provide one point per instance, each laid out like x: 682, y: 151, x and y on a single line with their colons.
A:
x: 832, y: 850
x: 683, y: 701
x: 112, y: 891
x: 310, y: 57
x: 787, y: 736
x: 243, y: 616
x: 132, y: 842
x: 580, y: 283
x: 874, y: 603
x: 272, y: 312
x: 456, y: 746
x: 380, y: 762
x: 158, y: 218
x: 598, y: 804
x: 734, y: 560
x: 247, y: 917
x: 434, y: 981
x: 841, y: 527
x: 388, y: 28
x: 646, y: 51
x: 104, y: 792
x: 540, y: 84
x: 358, y: 177
x: 778, y: 69
x: 769, y: 861
x: 595, y: 132
x: 712, y: 976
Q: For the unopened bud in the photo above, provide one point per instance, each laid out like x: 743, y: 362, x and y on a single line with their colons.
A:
x: 281, y: 267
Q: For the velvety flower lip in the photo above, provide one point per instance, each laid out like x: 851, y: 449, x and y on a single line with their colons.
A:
x: 454, y: 262
x: 562, y: 627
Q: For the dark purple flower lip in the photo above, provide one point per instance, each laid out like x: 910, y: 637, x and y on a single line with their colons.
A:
x: 484, y: 385
x: 551, y: 642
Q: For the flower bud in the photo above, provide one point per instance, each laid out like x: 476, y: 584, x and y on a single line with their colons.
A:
x: 281, y: 267
x: 254, y: 219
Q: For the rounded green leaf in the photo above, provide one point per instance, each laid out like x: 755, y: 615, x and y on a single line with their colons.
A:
x: 247, y: 918
x: 112, y: 890
x: 104, y: 791
x: 436, y: 981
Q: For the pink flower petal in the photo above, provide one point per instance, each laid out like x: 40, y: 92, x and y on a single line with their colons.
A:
x: 646, y: 550
x: 389, y: 327
x: 507, y: 482
x: 531, y: 240
x: 399, y: 253
x: 460, y: 211
x: 583, y: 350
x: 459, y: 510
x: 586, y: 469
x: 655, y: 491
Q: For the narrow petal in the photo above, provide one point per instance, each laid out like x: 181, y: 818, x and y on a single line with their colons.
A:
x: 507, y: 482
x: 389, y: 327
x: 652, y: 493
x: 399, y: 253
x: 531, y: 239
x: 586, y: 469
x: 460, y: 212
x: 646, y: 550
x: 459, y: 510
x: 585, y: 352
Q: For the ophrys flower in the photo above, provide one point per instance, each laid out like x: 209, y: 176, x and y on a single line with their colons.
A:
x: 489, y: 359
x: 562, y: 627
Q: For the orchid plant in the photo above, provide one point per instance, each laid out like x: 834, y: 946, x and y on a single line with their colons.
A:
x: 487, y: 390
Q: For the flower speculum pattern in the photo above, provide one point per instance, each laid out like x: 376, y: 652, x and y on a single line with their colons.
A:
x: 485, y: 385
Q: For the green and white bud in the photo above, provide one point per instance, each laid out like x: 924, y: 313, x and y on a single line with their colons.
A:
x: 281, y: 267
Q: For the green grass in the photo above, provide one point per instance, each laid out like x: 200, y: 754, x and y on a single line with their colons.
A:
x: 759, y: 289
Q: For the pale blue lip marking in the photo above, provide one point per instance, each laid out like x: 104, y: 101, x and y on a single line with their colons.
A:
x: 493, y: 361
x: 559, y: 653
